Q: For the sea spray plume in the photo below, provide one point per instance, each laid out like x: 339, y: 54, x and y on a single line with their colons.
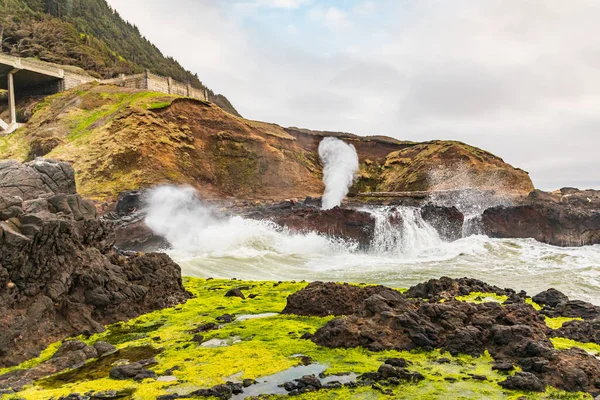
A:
x: 340, y: 165
x: 177, y: 214
x: 195, y: 229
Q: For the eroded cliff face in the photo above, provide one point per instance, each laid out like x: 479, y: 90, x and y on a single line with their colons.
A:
x: 568, y: 217
x: 59, y: 272
x: 119, y: 139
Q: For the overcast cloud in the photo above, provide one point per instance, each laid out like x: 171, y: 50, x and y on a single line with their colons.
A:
x: 520, y: 78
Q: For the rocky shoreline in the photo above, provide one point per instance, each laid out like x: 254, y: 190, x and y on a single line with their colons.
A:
x: 567, y: 218
x: 86, y: 317
x: 235, y: 339
x: 60, y: 274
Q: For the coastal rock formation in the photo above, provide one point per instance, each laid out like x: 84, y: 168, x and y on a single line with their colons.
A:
x: 568, y: 217
x: 450, y: 165
x: 59, y: 273
x: 448, y: 221
x: 513, y: 333
x: 348, y: 224
x: 139, y: 139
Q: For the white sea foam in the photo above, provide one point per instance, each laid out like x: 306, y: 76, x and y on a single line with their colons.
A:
x: 402, y: 254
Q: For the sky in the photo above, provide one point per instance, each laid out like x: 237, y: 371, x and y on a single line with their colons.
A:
x: 519, y: 78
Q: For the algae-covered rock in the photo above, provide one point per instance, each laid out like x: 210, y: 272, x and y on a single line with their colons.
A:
x: 268, y: 356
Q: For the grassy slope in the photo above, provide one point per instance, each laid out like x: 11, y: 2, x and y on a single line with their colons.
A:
x: 120, y: 139
x: 266, y: 346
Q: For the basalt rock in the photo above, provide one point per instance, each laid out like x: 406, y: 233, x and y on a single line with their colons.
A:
x: 323, y: 299
x: 59, y: 273
x: 71, y: 354
x: 514, y: 334
x: 565, y: 218
x: 446, y: 288
x: 448, y: 221
x: 347, y: 224
x: 580, y: 331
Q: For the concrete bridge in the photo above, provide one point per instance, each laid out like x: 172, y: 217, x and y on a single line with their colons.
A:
x: 25, y: 77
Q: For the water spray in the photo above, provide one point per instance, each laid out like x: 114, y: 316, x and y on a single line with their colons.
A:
x: 340, y: 165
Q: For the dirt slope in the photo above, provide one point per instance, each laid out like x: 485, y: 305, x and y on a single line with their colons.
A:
x: 119, y: 139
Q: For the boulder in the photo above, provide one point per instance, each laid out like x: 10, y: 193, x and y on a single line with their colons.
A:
x: 60, y: 275
x: 561, y: 219
x: 347, y: 224
x: 448, y: 221
x: 515, y: 334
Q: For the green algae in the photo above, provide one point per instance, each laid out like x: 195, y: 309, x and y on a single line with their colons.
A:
x: 480, y: 297
x: 558, y: 322
x: 532, y: 303
x: 564, y: 343
x: 266, y: 346
x: 98, y: 368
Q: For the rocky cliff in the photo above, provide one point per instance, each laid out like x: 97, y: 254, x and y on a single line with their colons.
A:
x: 59, y: 272
x: 118, y: 139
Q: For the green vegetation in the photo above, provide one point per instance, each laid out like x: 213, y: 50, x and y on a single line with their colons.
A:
x: 88, y: 34
x: 259, y: 347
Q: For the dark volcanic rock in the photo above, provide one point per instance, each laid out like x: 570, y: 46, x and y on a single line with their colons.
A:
x: 524, y: 381
x: 573, y: 309
x: 514, y: 334
x: 135, y: 370
x: 59, y: 273
x: 129, y: 202
x: 448, y: 221
x: 347, y: 224
x: 565, y: 218
x: 580, y: 331
x: 446, y: 288
x: 551, y: 297
x: 322, y: 299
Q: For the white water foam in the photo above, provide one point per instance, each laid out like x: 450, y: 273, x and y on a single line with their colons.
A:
x: 404, y: 252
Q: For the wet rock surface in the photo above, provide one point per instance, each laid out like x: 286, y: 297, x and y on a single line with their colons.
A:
x: 448, y: 221
x: 322, y: 299
x: 513, y: 333
x: 568, y: 217
x: 59, y: 273
x: 347, y: 224
x: 71, y: 354
x: 445, y: 288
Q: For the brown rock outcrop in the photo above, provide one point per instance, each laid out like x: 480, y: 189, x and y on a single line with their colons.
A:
x: 514, y: 333
x: 565, y: 218
x: 59, y: 272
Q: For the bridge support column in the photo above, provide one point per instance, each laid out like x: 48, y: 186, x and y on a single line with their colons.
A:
x: 11, y: 97
x: 12, y: 108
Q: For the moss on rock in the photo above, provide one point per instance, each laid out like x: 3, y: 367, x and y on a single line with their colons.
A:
x: 261, y: 342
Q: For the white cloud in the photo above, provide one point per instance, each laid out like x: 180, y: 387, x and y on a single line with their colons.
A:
x: 284, y: 4
x: 364, y: 8
x: 518, y: 78
x: 332, y: 17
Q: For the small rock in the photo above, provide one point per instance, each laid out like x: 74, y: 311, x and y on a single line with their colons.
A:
x: 248, y: 382
x: 235, y: 293
x: 478, y: 377
x: 396, y: 362
x: 310, y: 380
x: 211, y: 326
x: 443, y: 360
x: 523, y: 381
x: 550, y: 297
x: 198, y: 339
x: 225, y: 318
x: 104, y: 348
x: 306, y: 336
x: 503, y: 366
